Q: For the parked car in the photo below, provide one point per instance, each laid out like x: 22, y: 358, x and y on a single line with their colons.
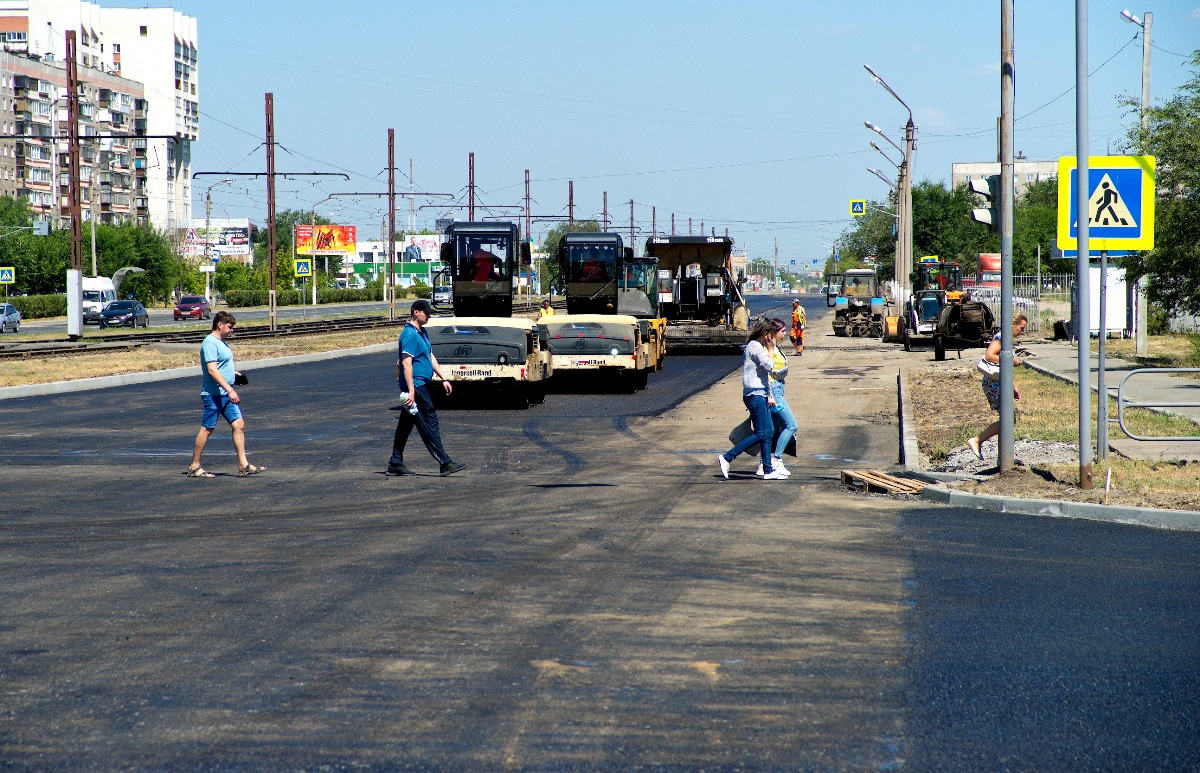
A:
x: 10, y: 318
x: 192, y: 307
x: 124, y: 314
x: 443, y: 295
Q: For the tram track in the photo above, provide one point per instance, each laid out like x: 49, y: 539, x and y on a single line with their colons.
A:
x: 132, y: 340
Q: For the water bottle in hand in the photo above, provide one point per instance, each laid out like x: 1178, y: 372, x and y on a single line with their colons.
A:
x: 412, y: 409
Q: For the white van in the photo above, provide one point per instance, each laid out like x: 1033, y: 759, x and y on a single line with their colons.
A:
x: 98, y: 292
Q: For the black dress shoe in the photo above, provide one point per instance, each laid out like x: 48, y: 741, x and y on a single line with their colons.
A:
x: 449, y: 468
x: 396, y: 471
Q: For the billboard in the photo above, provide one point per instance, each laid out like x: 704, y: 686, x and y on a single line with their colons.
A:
x: 420, y: 248
x: 225, y: 237
x: 330, y: 240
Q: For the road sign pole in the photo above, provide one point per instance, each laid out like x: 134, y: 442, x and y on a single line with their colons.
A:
x: 1101, y: 391
x: 1081, y: 263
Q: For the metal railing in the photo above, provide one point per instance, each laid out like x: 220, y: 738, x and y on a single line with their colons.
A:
x: 1122, y: 403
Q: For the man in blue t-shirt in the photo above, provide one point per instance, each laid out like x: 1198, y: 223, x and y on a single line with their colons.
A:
x: 219, y: 398
x: 415, y: 368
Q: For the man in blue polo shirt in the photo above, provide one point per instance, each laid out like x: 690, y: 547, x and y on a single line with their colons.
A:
x: 414, y: 370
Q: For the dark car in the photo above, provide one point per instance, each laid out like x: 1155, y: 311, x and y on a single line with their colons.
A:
x: 192, y: 307
x: 124, y: 314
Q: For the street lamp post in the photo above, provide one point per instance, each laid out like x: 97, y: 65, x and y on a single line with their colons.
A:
x: 905, y: 192
x: 1146, y: 22
x: 903, y: 260
x: 208, y: 235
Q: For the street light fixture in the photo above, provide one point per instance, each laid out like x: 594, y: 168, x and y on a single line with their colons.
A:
x: 904, y: 192
x: 883, y: 177
x: 885, y: 155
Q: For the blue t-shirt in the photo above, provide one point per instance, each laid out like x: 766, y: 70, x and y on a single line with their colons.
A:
x: 215, y: 350
x: 414, y: 343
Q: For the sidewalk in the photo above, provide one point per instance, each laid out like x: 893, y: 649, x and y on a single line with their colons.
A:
x: 1060, y: 359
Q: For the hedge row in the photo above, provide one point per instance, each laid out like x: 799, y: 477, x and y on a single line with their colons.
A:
x: 40, y: 306
x: 289, y: 297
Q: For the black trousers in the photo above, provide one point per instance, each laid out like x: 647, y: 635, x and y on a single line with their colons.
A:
x: 426, y: 422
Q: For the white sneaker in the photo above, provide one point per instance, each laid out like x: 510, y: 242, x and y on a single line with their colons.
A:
x: 775, y: 475
x: 724, y: 465
x: 760, y: 470
x: 777, y: 464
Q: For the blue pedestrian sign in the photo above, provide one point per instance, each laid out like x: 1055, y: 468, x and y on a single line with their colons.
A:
x: 1120, y: 204
x: 8, y: 275
x: 303, y: 267
x: 858, y: 207
x: 793, y: 262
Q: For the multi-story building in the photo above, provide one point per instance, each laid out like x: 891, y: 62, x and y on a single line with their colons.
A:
x: 155, y: 47
x: 33, y: 165
x: 1025, y: 172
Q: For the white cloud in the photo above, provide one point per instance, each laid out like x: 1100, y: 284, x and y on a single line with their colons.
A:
x: 1195, y: 14
x: 932, y: 118
x: 990, y: 68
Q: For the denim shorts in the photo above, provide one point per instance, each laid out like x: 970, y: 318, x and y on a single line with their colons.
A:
x: 212, y: 410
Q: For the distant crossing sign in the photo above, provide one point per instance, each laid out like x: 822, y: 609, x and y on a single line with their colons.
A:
x: 858, y: 207
x: 1120, y: 208
x: 303, y: 267
x: 8, y: 275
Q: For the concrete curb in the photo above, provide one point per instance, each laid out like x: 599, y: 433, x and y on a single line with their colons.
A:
x: 1170, y: 520
x: 105, y: 382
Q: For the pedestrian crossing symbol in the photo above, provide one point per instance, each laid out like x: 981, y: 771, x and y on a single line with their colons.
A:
x: 1120, y: 205
x: 303, y: 267
x: 8, y: 275
x: 858, y: 207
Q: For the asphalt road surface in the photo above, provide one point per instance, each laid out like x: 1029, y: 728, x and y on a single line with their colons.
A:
x: 588, y: 594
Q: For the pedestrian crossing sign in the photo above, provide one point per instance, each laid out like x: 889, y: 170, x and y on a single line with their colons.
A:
x: 1120, y: 208
x: 858, y: 207
x: 8, y: 275
x: 303, y: 267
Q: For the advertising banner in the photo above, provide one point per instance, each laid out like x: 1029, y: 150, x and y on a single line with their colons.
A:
x: 330, y: 240
x: 225, y: 238
x: 420, y: 248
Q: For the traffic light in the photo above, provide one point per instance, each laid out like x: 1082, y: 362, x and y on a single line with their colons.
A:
x: 989, y: 188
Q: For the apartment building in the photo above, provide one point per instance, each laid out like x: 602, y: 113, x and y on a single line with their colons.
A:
x: 155, y: 47
x: 33, y: 165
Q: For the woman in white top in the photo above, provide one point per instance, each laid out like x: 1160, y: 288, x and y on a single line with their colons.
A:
x: 756, y: 394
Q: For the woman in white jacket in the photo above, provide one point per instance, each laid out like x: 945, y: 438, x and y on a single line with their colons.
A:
x: 756, y: 394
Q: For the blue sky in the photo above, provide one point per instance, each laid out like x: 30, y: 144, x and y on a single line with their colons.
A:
x: 747, y: 116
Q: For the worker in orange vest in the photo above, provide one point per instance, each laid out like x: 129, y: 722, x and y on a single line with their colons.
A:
x: 798, y: 321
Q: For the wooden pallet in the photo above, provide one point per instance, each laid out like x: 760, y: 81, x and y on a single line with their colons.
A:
x: 874, y: 481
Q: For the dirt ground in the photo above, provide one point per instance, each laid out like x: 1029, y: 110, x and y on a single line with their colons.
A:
x: 948, y: 406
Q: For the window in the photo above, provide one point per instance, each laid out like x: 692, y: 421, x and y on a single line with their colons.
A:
x: 143, y: 31
x: 116, y: 47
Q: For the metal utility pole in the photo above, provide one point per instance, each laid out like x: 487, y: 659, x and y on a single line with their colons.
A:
x: 570, y: 205
x: 605, y: 229
x: 412, y: 201
x: 775, y: 278
x: 1083, y: 254
x: 271, y: 292
x: 527, y: 223
x: 390, y: 285
x: 631, y: 237
x: 689, y: 226
x: 654, y: 221
x: 1146, y: 23
x: 672, y: 224
x: 471, y: 190
x: 1007, y: 448
x: 75, y: 272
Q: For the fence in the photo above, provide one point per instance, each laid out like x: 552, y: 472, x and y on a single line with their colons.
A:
x: 1042, y: 304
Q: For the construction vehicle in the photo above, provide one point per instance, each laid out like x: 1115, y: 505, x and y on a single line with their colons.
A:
x: 482, y: 347
x: 940, y: 312
x: 509, y: 356
x: 858, y: 306
x: 698, y: 295
x: 482, y: 258
x: 612, y: 326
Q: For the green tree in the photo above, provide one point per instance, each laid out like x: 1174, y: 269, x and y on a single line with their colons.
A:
x: 1172, y: 136
x: 873, y: 235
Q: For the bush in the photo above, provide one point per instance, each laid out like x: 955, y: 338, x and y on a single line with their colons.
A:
x: 1158, y: 320
x: 419, y: 291
x: 287, y: 297
x: 40, y: 306
x: 349, y: 295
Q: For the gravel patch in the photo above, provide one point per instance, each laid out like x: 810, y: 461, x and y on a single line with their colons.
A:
x: 1031, y: 453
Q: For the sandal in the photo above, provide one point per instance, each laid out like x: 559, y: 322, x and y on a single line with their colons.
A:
x: 198, y: 472
x: 250, y: 469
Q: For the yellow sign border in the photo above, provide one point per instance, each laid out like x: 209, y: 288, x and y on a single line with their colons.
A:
x: 1067, y: 164
x: 296, y: 266
x: 864, y: 207
x: 12, y: 281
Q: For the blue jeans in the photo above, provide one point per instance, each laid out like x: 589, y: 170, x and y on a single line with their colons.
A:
x: 764, y: 430
x: 782, y: 413
x: 426, y: 422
